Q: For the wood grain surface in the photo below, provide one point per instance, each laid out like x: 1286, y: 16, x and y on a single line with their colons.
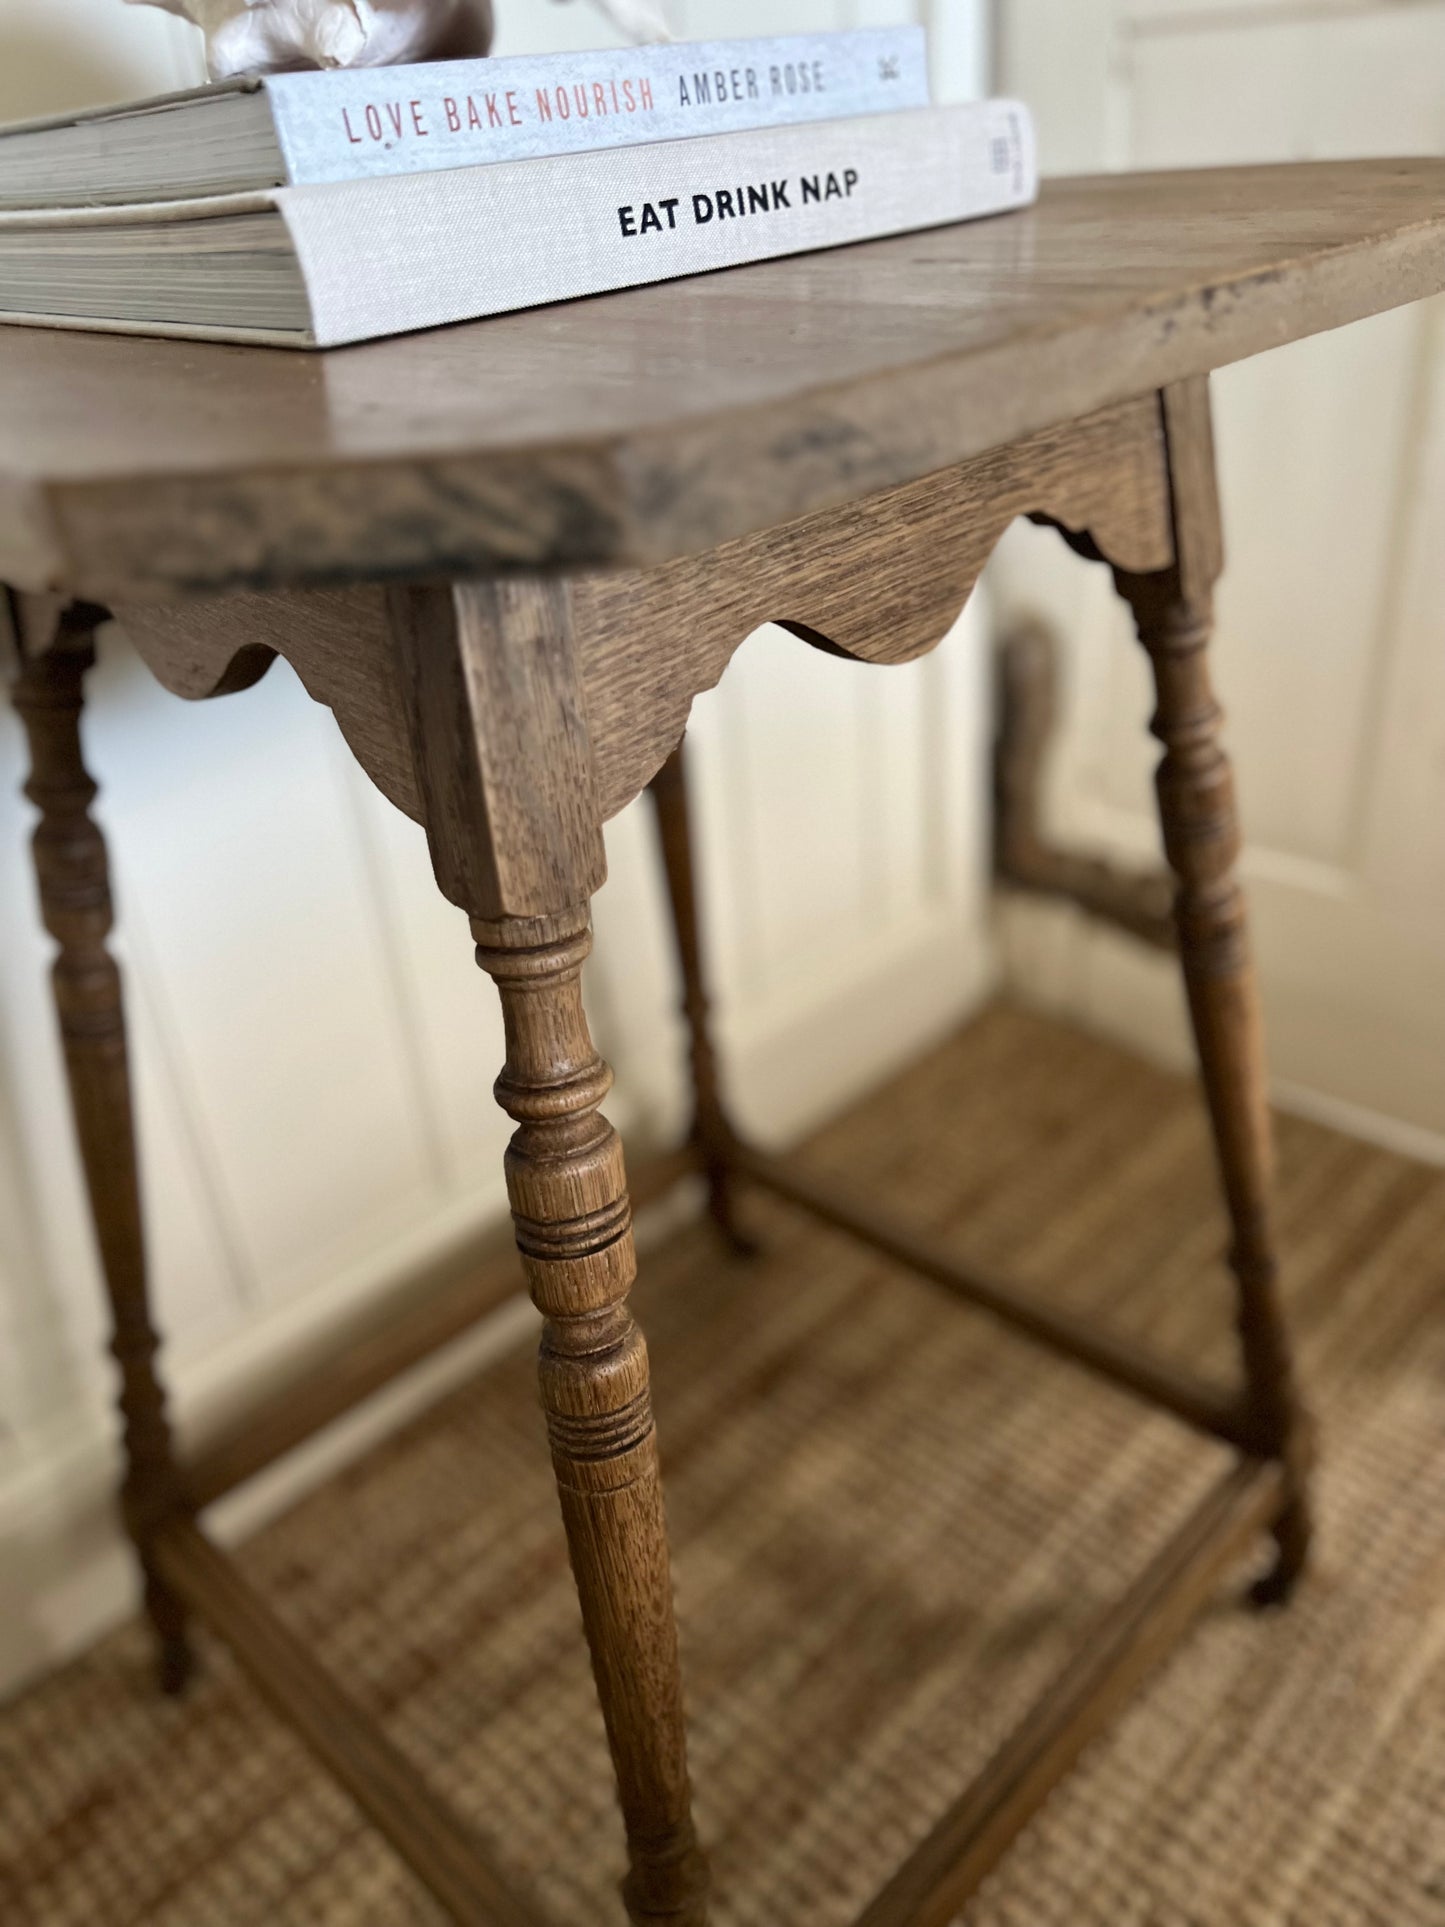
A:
x: 638, y: 427
x: 880, y: 580
x: 573, y: 1219
x: 72, y: 872
x: 499, y: 744
x: 1173, y: 611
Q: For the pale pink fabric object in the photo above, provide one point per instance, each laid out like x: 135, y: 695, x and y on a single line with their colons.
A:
x: 638, y: 19
x: 274, y: 36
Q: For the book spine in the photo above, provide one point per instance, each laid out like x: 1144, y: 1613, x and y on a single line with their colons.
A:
x: 384, y: 257
x: 352, y: 124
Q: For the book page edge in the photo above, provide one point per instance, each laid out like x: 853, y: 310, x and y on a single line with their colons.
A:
x: 205, y: 207
x: 131, y: 109
x: 170, y: 330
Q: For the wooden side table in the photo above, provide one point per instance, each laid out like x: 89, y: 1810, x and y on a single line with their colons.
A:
x: 508, y: 557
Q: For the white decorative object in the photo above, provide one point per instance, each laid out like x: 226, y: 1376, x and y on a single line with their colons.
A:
x: 279, y: 36
x: 640, y: 20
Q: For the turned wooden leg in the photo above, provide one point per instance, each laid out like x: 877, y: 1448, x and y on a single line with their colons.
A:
x: 573, y: 1221
x: 509, y: 795
x: 70, y: 863
x: 1201, y: 840
x: 711, y: 1130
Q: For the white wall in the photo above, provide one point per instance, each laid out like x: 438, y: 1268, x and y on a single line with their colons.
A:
x: 1332, y: 605
x: 314, y: 1047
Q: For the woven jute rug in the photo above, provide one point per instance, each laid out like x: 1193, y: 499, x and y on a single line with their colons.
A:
x: 892, y: 1523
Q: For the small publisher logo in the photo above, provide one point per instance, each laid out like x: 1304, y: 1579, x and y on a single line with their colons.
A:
x: 890, y: 68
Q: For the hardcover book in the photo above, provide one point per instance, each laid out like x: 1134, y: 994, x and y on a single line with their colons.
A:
x: 355, y: 123
x: 344, y: 261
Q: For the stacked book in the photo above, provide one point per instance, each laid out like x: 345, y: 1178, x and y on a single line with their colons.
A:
x: 311, y: 209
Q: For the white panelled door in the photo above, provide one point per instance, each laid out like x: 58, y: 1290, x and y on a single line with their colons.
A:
x: 1331, y: 642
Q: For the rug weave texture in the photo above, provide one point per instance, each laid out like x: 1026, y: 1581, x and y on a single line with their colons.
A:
x: 892, y: 1522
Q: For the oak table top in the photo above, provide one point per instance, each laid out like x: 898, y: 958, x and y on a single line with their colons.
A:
x: 633, y: 428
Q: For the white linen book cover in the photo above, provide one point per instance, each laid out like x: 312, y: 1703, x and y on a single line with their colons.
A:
x: 348, y: 261
x: 351, y: 123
